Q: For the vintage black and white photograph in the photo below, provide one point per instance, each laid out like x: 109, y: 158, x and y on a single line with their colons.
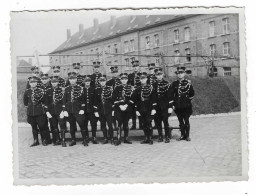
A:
x: 129, y: 96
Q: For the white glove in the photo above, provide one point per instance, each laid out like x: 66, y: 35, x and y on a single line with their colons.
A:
x: 153, y: 112
x: 122, y: 107
x: 173, y: 107
x: 48, y: 115
x: 170, y: 110
x: 65, y: 113
x: 81, y: 112
x: 125, y: 106
x: 97, y: 114
x: 137, y: 113
x: 113, y: 113
x: 61, y: 114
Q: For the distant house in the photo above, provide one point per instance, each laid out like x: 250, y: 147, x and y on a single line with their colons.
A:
x: 23, y: 70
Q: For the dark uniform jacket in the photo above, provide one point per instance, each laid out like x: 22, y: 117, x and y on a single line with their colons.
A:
x: 114, y: 82
x: 134, y: 79
x: 163, y: 94
x: 39, y: 82
x: 121, y: 96
x: 182, y: 93
x: 89, y: 99
x: 103, y: 100
x: 35, y: 101
x: 151, y: 79
x: 55, y: 100
x: 73, y: 100
x: 62, y: 82
x: 94, y: 80
x: 80, y: 80
x: 46, y: 87
x: 144, y: 98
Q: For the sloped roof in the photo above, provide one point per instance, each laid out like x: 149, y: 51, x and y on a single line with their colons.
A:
x: 24, y: 66
x: 124, y: 24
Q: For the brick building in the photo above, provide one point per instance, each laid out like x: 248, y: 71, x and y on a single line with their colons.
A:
x: 170, y: 40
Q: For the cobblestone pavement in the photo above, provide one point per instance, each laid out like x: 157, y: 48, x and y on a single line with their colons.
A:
x: 215, y: 150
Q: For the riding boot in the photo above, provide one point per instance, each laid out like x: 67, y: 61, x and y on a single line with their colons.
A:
x: 126, y: 132
x: 182, y: 132
x: 167, y: 134
x: 145, y: 141
x: 160, y: 134
x: 119, y: 135
x: 133, y: 123
x: 56, y: 137
x: 150, y: 134
x: 35, y: 136
x: 44, y: 142
x: 73, y: 137
x: 140, y: 123
x: 94, y: 140
x: 63, y: 143
x: 84, y: 137
x: 187, y: 132
x: 105, y: 136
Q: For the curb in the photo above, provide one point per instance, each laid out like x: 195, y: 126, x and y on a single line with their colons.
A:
x: 172, y: 118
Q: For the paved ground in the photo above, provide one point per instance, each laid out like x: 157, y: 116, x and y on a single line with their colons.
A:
x: 215, y: 150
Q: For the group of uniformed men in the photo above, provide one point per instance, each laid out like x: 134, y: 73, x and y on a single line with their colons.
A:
x: 113, y: 102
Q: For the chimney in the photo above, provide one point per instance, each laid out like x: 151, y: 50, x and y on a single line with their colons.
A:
x: 95, y: 23
x: 30, y: 61
x: 68, y: 34
x: 81, y: 29
x: 113, y: 21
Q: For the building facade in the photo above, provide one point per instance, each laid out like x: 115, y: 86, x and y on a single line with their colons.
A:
x: 199, y: 42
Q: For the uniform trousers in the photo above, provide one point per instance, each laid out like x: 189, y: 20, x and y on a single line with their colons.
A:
x: 40, y: 122
x: 89, y: 116
x: 122, y: 119
x: 55, y: 122
x: 106, y: 119
x: 80, y: 119
x: 162, y: 116
x: 146, y: 120
x: 183, y: 117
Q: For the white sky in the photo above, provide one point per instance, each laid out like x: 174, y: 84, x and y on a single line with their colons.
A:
x: 45, y: 31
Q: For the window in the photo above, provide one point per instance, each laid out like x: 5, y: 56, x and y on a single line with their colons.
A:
x: 212, y: 50
x: 187, y: 51
x: 109, y: 49
x: 115, y: 48
x: 97, y: 52
x: 126, y: 47
x: 92, y: 57
x: 116, y: 62
x: 226, y: 48
x: 187, y: 34
x: 126, y: 61
x: 132, y: 59
x: 157, y: 61
x: 176, y: 36
x: 225, y: 22
x: 177, y: 57
x: 227, y: 71
x: 132, y: 45
x: 211, y: 29
x: 147, y: 42
x: 156, y: 40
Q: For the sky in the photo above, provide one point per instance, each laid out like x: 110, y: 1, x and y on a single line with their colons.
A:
x: 45, y: 31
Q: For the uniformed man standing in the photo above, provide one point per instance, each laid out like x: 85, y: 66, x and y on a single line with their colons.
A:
x: 144, y: 98
x: 34, y: 98
x: 80, y: 78
x: 151, y: 75
x: 123, y: 106
x: 134, y: 80
x: 114, y: 82
x: 56, y: 73
x: 96, y: 75
x: 46, y: 86
x: 89, y: 94
x: 164, y: 106
x: 73, y: 108
x: 103, y: 108
x: 182, y: 94
x: 54, y: 102
x: 35, y: 74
